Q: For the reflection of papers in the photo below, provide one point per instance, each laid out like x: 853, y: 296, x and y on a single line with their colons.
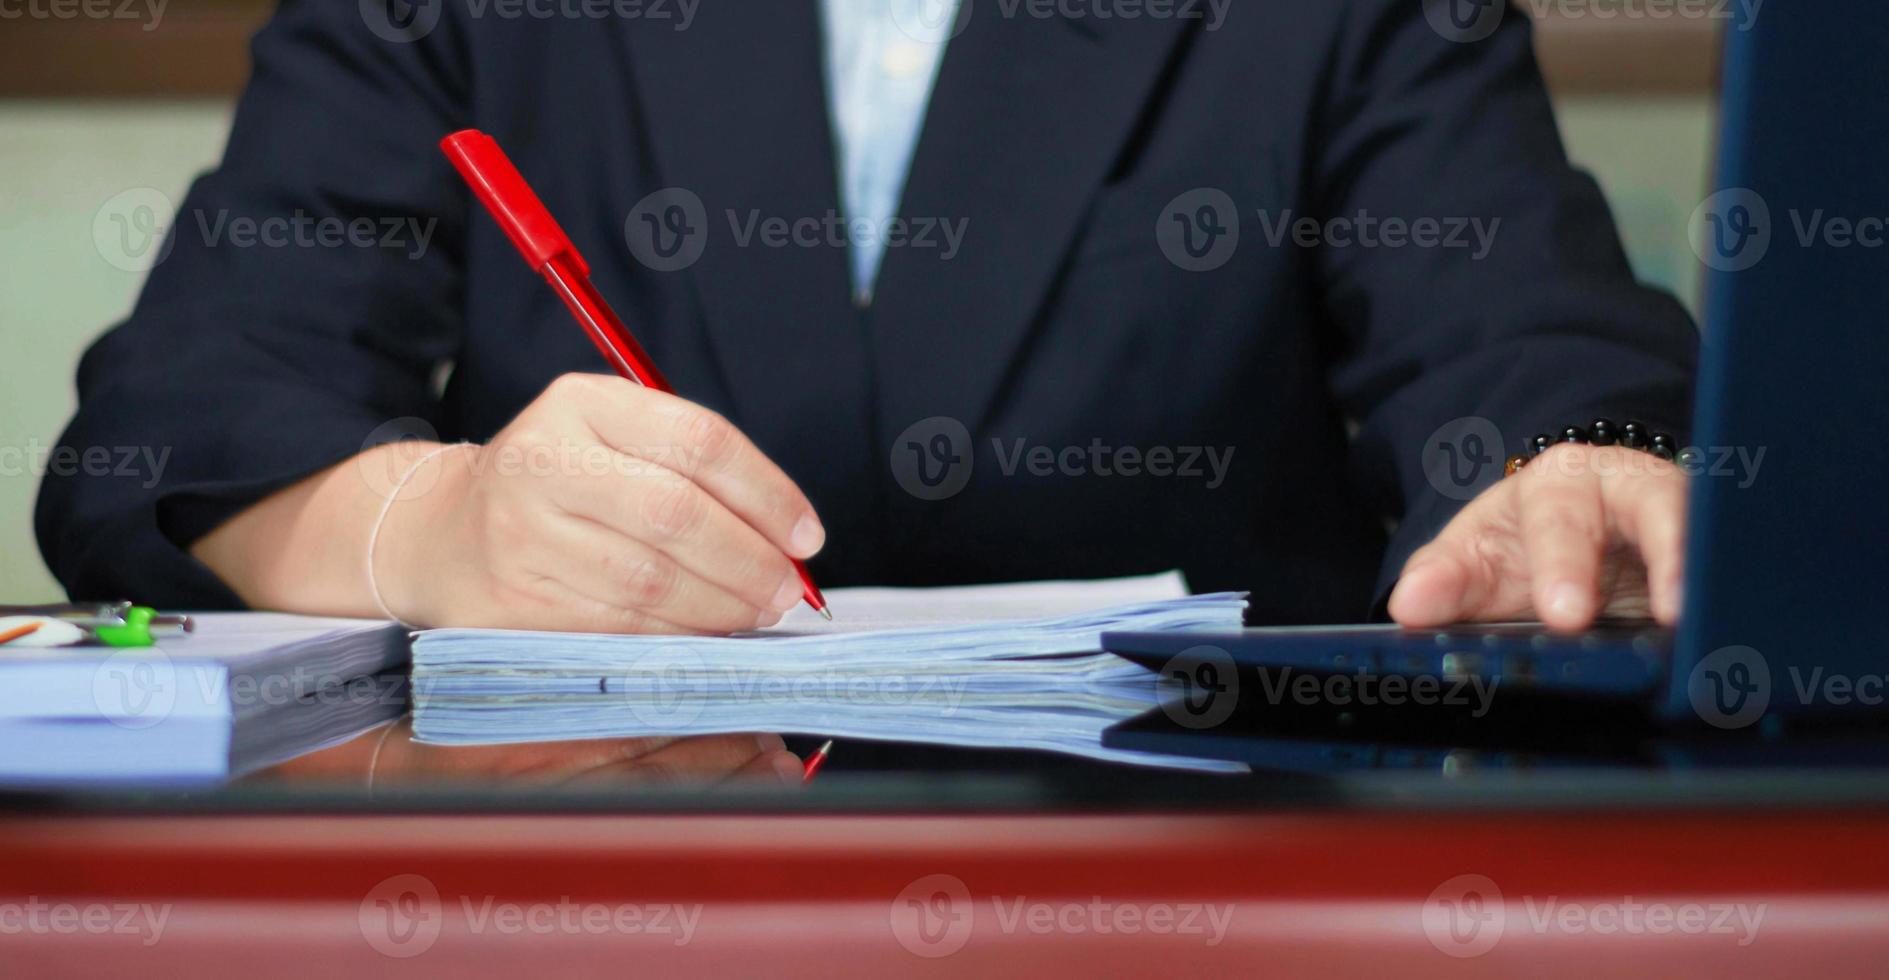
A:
x: 990, y: 666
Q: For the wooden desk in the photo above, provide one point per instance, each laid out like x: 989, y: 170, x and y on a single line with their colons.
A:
x: 1299, y: 891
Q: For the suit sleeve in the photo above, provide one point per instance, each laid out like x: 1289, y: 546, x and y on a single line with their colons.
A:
x: 310, y: 291
x: 1515, y: 314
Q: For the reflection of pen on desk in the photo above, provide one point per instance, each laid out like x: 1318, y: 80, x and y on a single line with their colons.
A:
x: 525, y: 220
x: 815, y: 761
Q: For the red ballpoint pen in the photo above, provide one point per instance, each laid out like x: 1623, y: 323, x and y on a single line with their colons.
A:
x: 524, y: 219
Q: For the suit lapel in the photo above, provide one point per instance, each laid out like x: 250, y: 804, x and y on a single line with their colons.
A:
x: 1026, y: 118
x: 735, y: 111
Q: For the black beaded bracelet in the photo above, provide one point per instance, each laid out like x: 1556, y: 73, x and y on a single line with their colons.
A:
x: 1602, y: 432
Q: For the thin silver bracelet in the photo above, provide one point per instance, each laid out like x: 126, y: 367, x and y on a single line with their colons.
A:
x: 373, y: 536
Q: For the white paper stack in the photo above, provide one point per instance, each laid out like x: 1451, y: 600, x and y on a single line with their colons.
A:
x: 1000, y: 666
x: 244, y: 691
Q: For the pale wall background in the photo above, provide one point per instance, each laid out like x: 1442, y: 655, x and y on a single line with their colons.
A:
x: 61, y: 160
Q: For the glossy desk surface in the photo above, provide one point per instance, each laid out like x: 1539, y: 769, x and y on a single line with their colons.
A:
x: 1492, y: 874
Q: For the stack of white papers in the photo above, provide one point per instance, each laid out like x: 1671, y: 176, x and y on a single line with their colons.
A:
x: 1003, y: 666
x: 244, y: 691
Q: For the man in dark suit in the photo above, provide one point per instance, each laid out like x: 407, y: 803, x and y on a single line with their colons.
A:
x: 1022, y: 291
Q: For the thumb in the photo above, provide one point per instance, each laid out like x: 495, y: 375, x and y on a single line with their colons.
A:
x: 1432, y: 591
x: 1474, y: 568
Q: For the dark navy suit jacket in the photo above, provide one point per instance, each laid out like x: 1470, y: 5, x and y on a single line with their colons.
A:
x: 1070, y: 317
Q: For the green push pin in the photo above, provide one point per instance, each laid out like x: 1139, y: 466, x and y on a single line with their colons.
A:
x: 136, y: 631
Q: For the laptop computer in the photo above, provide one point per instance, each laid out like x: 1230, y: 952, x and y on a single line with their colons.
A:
x: 1787, y: 567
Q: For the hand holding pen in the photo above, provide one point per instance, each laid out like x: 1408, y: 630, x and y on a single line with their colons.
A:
x: 603, y: 507
x: 607, y: 505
